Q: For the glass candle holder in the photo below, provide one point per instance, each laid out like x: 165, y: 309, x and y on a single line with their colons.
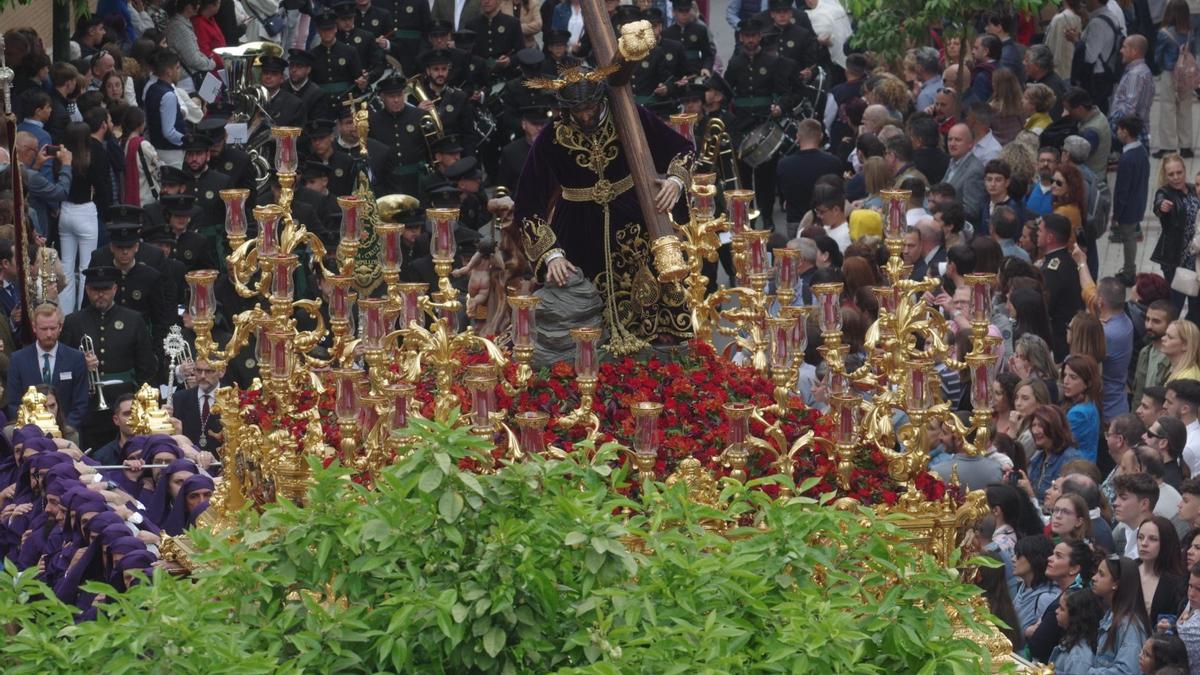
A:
x: 737, y: 202
x: 345, y: 399
x: 368, y: 411
x: 441, y: 224
x: 737, y: 416
x: 483, y: 399
x: 756, y: 251
x: 375, y: 324
x: 410, y: 302
x: 704, y: 195
x: 829, y: 298
x: 645, y: 427
x: 531, y: 431
x: 800, y: 328
x: 787, y: 264
x: 524, y: 313
x: 779, y: 328
x: 390, y: 252
x: 587, y: 366
x: 269, y: 218
x: 981, y: 380
x: 400, y: 394
x: 920, y: 386
x: 280, y: 267
x: 846, y: 418
x: 202, y: 304
x: 287, y: 157
x: 351, y: 227
x: 340, y: 297
x: 261, y: 348
x: 981, y: 295
x: 683, y: 124
x: 896, y: 205
x: 235, y: 211
x: 280, y: 342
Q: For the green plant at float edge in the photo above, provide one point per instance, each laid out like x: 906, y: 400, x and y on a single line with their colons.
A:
x: 891, y: 27
x: 440, y: 570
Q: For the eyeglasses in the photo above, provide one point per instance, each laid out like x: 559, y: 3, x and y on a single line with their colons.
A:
x: 1062, y: 511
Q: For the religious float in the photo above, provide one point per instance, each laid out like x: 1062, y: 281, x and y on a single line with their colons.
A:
x: 690, y: 455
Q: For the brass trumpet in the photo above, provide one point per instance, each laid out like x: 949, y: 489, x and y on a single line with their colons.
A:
x: 89, y: 347
x: 716, y: 156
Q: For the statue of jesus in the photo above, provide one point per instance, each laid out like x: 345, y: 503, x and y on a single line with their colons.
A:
x: 576, y: 209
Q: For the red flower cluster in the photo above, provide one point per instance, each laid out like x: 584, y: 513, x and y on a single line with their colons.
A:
x: 692, y: 388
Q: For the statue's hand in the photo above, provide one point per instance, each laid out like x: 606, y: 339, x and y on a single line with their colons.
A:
x: 559, y: 270
x: 668, y: 194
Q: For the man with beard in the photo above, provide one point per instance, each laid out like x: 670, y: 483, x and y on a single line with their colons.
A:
x: 453, y: 106
x: 370, y: 54
x: 446, y: 151
x: 1153, y: 366
x: 300, y: 85
x: 206, y: 187
x: 1040, y: 200
x: 341, y: 165
x: 576, y: 211
x: 399, y: 126
x: 465, y: 176
x: 284, y: 108
x: 466, y: 72
x: 512, y: 157
x: 123, y: 354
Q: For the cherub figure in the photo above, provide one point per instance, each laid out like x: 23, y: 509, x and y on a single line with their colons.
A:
x: 485, y: 268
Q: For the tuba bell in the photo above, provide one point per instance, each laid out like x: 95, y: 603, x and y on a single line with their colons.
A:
x: 388, y: 207
x: 431, y: 122
x: 248, y: 97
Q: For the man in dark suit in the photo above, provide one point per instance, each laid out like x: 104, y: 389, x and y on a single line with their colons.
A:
x: 799, y: 171
x: 512, y: 157
x: 46, y: 361
x: 924, y: 244
x: 195, y: 408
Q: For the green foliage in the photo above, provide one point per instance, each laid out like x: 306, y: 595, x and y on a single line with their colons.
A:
x: 889, y: 27
x: 439, y: 570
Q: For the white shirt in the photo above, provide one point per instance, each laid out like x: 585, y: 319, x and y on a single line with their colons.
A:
x: 1191, y: 448
x: 1167, y: 505
x: 913, y: 216
x: 41, y: 360
x: 840, y: 234
x: 1118, y: 14
x: 575, y: 25
x: 459, y: 5
x: 1131, y: 551
x: 201, y: 396
x: 987, y: 148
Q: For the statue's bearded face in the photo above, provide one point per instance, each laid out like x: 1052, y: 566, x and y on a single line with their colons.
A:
x: 588, y: 116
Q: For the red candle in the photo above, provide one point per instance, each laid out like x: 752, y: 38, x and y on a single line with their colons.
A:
x: 390, y: 256
x: 268, y: 218
x: 235, y: 211
x: 916, y: 397
x: 374, y: 322
x: 200, y: 282
x: 410, y: 308
x: 980, y: 300
x: 896, y: 218
x: 286, y: 159
x: 339, y: 298
x: 532, y: 426
x: 585, y: 351
x: 280, y: 352
x: 846, y: 424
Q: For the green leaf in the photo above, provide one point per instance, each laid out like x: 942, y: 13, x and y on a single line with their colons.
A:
x: 450, y: 506
x: 493, y: 641
x: 431, y: 478
x: 574, y: 538
x: 444, y: 462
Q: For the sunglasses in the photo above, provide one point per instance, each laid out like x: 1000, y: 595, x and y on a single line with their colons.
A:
x: 1153, y: 434
x: 1060, y: 183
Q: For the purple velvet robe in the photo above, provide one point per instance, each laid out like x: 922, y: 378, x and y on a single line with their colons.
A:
x: 620, y: 266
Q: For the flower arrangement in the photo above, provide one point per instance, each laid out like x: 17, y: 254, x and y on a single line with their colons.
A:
x: 692, y: 386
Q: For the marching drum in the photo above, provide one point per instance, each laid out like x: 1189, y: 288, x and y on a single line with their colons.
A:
x: 768, y: 140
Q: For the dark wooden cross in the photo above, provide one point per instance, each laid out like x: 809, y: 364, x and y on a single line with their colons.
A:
x: 598, y: 27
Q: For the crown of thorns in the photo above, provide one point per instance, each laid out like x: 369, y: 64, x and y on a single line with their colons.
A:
x: 570, y: 75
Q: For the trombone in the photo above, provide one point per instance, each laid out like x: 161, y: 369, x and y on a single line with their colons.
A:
x: 89, y: 347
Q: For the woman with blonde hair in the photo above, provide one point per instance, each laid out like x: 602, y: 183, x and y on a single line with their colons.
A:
x: 891, y: 92
x: 1007, y: 117
x: 1181, y: 345
x: 1177, y: 207
x: 1036, y: 103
